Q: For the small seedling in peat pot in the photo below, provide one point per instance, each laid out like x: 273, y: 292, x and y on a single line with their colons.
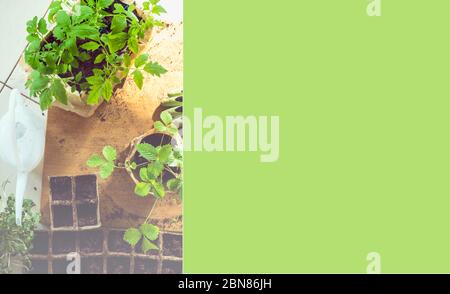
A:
x: 89, y: 50
x: 155, y: 162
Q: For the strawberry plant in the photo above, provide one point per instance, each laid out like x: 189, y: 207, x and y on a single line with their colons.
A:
x: 160, y: 171
x: 89, y: 49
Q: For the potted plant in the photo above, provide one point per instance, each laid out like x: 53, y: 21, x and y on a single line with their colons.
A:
x: 155, y: 164
x: 16, y: 241
x: 92, y: 47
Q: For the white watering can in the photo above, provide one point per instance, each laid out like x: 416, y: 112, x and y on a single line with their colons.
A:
x: 22, y: 135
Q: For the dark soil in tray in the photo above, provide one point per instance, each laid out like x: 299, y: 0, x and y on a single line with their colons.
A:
x: 172, y: 267
x: 60, y: 266
x: 86, y: 187
x: 91, y: 241
x: 92, y: 265
x: 87, y: 214
x: 145, y: 266
x: 40, y: 243
x: 173, y: 245
x: 38, y: 267
x: 61, y: 188
x: 118, y: 265
x: 64, y: 242
x: 62, y: 216
x: 116, y: 242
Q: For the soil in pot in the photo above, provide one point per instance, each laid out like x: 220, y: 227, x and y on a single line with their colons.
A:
x: 116, y: 242
x: 91, y: 241
x: 86, y: 67
x: 86, y: 188
x: 172, y: 267
x: 173, y: 245
x: 61, y: 188
x: 92, y: 265
x: 87, y: 214
x: 40, y: 243
x: 118, y: 265
x: 62, y: 216
x: 143, y: 266
x: 63, y: 242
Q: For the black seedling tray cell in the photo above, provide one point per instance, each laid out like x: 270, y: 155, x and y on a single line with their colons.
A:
x: 173, y: 245
x: 103, y: 251
x: 74, y: 203
x: 91, y: 241
x: 118, y: 264
x: 92, y: 265
x: 172, y: 267
x: 40, y: 243
x: 144, y: 266
x: 64, y: 242
x: 116, y: 242
x: 38, y: 267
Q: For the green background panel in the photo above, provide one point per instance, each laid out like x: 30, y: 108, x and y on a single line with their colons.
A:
x: 364, y: 110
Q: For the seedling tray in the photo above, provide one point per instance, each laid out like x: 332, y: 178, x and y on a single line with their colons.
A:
x: 103, y: 251
x: 74, y: 203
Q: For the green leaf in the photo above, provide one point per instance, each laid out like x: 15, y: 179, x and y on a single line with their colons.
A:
x: 159, y: 189
x: 155, y: 69
x: 90, y: 46
x: 133, y: 44
x: 46, y: 99
x: 159, y: 126
x: 106, y: 170
x: 86, y: 31
x: 95, y: 161
x: 107, y: 90
x: 118, y: 23
x: 117, y: 41
x: 164, y: 153
x: 59, y: 91
x: 39, y: 82
x: 157, y: 9
x: 94, y: 95
x: 150, y: 231
x: 142, y: 189
x: 110, y: 153
x: 147, y: 246
x: 143, y: 174
x: 154, y: 169
x: 132, y: 236
x: 104, y: 3
x: 141, y: 60
x: 147, y: 151
x: 174, y: 184
x: 126, y: 60
x: 99, y: 58
x: 42, y: 26
x: 166, y: 117
x: 31, y: 25
x: 138, y: 78
x: 62, y: 18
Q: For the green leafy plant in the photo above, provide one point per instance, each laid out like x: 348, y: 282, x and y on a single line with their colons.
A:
x: 157, y: 161
x: 89, y: 49
x: 16, y: 241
